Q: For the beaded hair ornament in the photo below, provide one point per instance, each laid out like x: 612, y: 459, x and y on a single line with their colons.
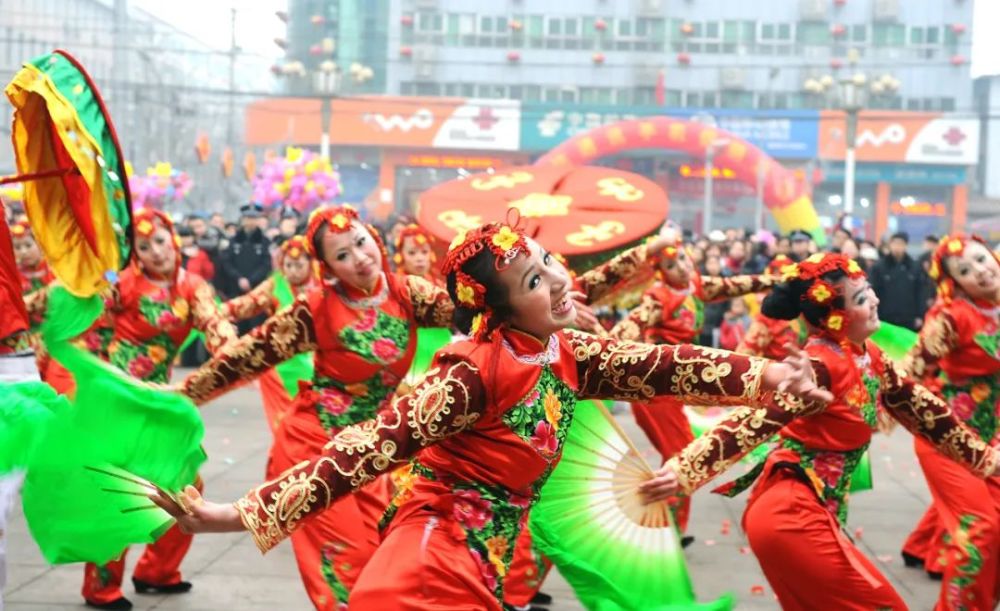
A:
x: 418, y: 234
x: 338, y: 219
x: 506, y: 243
x: 821, y: 292
x: 951, y: 246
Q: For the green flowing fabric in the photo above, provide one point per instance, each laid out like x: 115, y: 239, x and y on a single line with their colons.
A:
x: 26, y: 409
x: 429, y: 341
x: 93, y: 463
x: 894, y: 341
x: 612, y: 563
x: 300, y: 367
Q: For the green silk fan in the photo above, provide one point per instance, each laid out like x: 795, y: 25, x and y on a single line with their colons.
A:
x: 615, y: 552
x: 429, y: 341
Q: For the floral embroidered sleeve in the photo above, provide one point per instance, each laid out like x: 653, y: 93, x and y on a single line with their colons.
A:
x: 612, y: 369
x: 36, y: 303
x: 937, y: 338
x: 647, y: 314
x: 282, y: 336
x: 445, y: 403
x: 432, y: 306
x: 716, y: 288
x: 260, y: 300
x: 208, y: 318
x: 756, y: 340
x: 927, y: 415
x: 605, y: 278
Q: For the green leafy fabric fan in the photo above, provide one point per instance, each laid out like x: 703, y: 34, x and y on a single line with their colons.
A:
x: 615, y: 552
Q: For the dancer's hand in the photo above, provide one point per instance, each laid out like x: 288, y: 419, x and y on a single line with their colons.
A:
x: 795, y: 376
x: 669, y: 235
x: 585, y: 318
x: 664, y: 484
x: 196, y: 515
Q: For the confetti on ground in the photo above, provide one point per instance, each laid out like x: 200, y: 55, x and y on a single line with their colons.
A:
x: 709, y: 542
x: 884, y: 558
x: 745, y: 550
x: 858, y: 532
x: 225, y: 441
x: 757, y: 590
x: 236, y: 411
x: 228, y: 460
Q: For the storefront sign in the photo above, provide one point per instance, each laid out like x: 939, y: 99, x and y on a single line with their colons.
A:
x: 781, y: 134
x: 903, y: 137
x: 898, y: 174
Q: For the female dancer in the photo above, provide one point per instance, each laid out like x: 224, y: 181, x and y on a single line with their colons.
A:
x: 295, y: 276
x: 414, y: 255
x: 672, y: 312
x: 489, y: 421
x: 958, y: 352
x: 794, y: 516
x: 362, y: 323
x: 151, y: 309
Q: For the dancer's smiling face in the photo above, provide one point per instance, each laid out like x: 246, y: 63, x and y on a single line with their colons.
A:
x: 156, y: 251
x: 538, y: 292
x: 861, y: 305
x: 976, y: 272
x: 677, y: 271
x: 353, y: 256
x: 416, y: 256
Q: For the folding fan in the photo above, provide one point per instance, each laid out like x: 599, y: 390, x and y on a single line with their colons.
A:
x: 429, y: 341
x: 616, y: 552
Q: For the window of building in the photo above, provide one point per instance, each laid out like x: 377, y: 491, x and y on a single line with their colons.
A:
x: 888, y: 35
x: 428, y: 89
x: 406, y: 88
x: 737, y: 99
x: 933, y: 35
x: 550, y: 94
x: 813, y: 34
x: 451, y: 89
x: 430, y: 22
x: 468, y: 90
x: 739, y: 31
x: 948, y: 104
x: 535, y: 31
x: 515, y: 92
x: 859, y: 33
x: 532, y: 93
x: 916, y: 35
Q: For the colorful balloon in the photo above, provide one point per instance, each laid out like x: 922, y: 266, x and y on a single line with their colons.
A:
x: 161, y: 186
x: 301, y: 180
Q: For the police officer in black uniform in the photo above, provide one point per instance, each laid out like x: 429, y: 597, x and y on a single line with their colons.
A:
x: 247, y: 261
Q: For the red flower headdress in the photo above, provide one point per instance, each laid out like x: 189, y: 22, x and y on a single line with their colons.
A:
x: 779, y: 264
x: 505, y: 242
x: 820, y: 292
x: 338, y: 219
x: 419, y: 235
x: 951, y: 246
x: 20, y: 229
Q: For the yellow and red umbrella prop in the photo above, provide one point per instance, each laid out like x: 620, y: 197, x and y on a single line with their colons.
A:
x: 569, y: 210
x: 73, y: 170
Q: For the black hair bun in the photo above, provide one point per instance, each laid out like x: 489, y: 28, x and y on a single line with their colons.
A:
x: 784, y: 302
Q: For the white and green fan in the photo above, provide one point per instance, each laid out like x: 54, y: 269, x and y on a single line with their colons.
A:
x: 615, y: 552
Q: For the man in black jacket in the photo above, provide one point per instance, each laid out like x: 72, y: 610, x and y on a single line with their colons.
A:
x: 899, y: 282
x: 247, y: 261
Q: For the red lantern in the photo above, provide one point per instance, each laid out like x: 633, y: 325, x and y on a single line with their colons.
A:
x: 687, y: 28
x: 958, y: 28
x: 202, y: 147
x: 227, y: 162
x: 317, y: 20
x: 316, y: 50
x: 597, y: 58
x: 516, y: 25
x: 406, y: 20
x: 957, y: 60
x: 683, y: 59
x: 840, y: 2
x: 600, y: 25
x: 838, y: 29
x: 406, y: 51
x: 513, y: 57
x: 836, y: 63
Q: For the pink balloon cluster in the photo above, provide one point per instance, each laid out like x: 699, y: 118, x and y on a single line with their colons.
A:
x: 301, y: 180
x: 161, y: 185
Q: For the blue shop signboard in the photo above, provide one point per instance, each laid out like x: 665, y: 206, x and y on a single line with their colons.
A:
x: 897, y: 174
x: 783, y: 134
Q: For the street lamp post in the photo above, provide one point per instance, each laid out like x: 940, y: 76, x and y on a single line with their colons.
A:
x: 851, y: 93
x: 709, y: 166
x: 327, y: 83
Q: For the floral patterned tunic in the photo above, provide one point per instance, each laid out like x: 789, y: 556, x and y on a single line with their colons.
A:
x: 821, y: 443
x: 33, y: 280
x: 487, y: 426
x: 668, y: 315
x: 958, y: 353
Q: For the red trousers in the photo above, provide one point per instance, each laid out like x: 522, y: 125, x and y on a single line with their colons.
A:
x: 275, y: 397
x: 926, y: 541
x: 528, y: 571
x: 333, y: 547
x: 808, y: 560
x: 159, y: 564
x: 423, y: 564
x: 968, y: 509
x: 668, y: 429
